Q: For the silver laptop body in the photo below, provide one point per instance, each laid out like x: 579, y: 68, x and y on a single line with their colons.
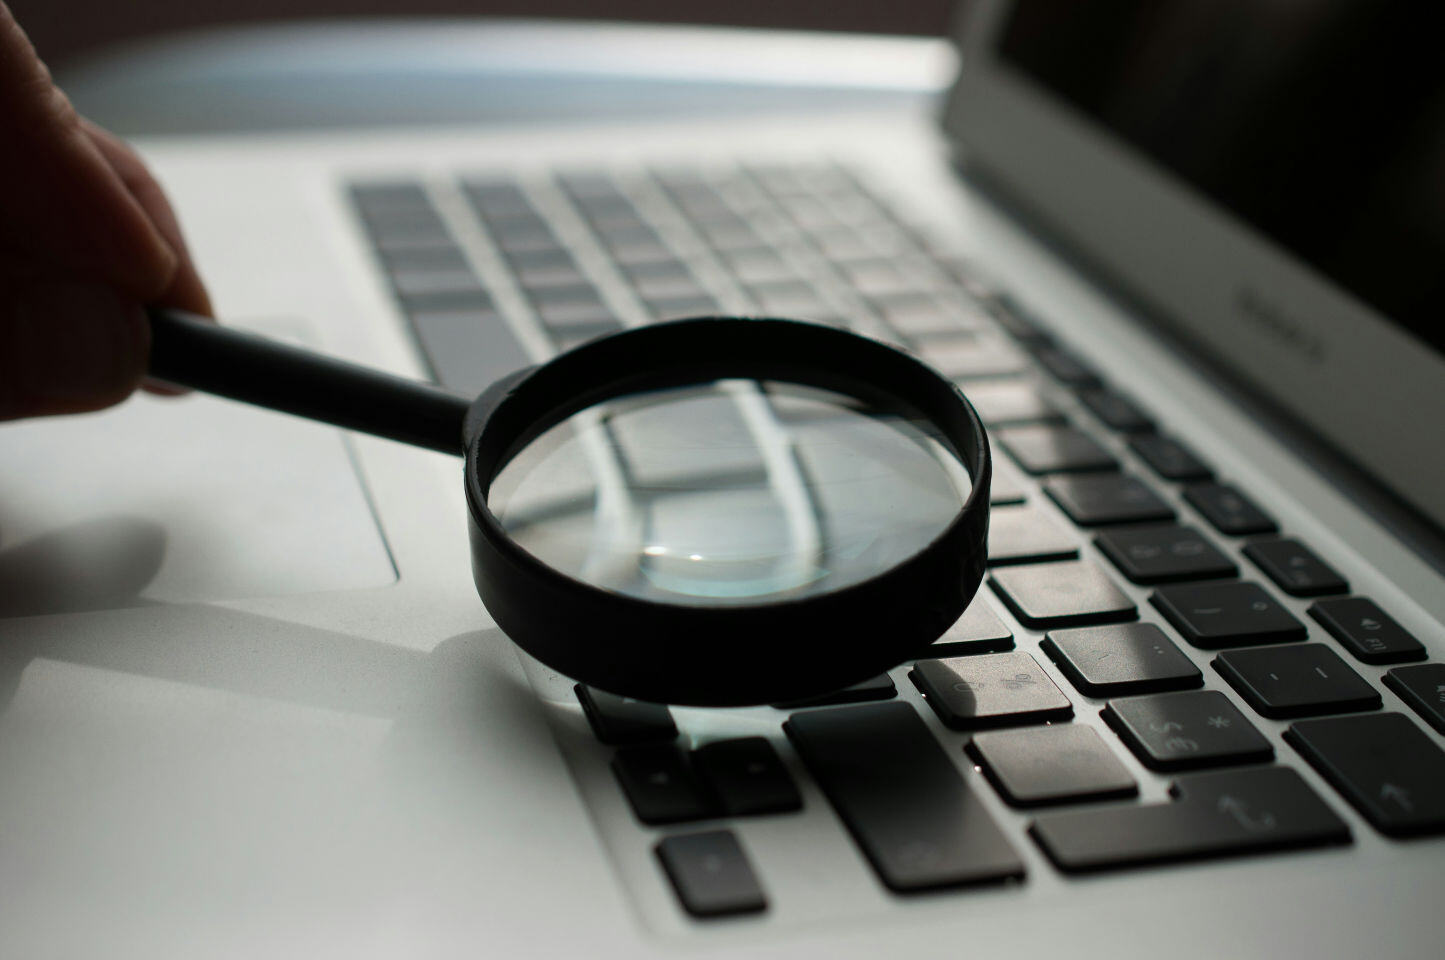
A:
x: 253, y: 707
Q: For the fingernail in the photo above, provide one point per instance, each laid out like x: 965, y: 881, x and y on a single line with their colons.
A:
x: 77, y: 344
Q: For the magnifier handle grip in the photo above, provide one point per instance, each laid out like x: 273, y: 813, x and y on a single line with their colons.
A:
x: 189, y: 351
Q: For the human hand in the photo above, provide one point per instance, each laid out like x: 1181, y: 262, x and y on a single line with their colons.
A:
x: 87, y: 239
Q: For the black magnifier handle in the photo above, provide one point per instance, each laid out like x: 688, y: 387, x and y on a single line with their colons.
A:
x: 192, y: 352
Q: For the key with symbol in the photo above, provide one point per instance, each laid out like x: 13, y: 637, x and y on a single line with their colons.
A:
x: 1212, y: 815
x: 1300, y: 680
x: 1423, y: 688
x: 1388, y: 768
x: 1216, y: 615
x: 1368, y: 632
x: 990, y: 690
x: 1193, y: 728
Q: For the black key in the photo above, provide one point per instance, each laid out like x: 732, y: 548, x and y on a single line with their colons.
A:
x: 1066, y: 367
x: 468, y: 350
x: 1071, y: 593
x: 979, y: 630
x: 1196, y: 728
x: 990, y: 690
x: 1216, y: 615
x: 1228, y: 510
x: 746, y: 777
x: 1008, y: 402
x: 1303, y: 680
x: 1126, y: 658
x: 879, y: 688
x: 901, y: 797
x: 1063, y: 762
x: 1117, y: 411
x: 1055, y: 449
x: 1388, y: 768
x: 1027, y: 535
x: 1368, y: 632
x: 1163, y: 554
x: 711, y: 874
x: 1170, y: 459
x: 1294, y: 568
x: 1423, y: 688
x: 619, y: 720
x: 1110, y: 498
x: 660, y: 784
x: 1218, y: 814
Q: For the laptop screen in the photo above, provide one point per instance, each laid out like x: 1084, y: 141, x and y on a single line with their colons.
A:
x: 1321, y: 124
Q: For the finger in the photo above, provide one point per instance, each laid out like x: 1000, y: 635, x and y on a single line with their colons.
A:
x: 68, y: 346
x: 186, y: 290
x: 60, y: 198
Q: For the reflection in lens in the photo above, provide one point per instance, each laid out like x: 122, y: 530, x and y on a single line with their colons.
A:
x: 730, y: 492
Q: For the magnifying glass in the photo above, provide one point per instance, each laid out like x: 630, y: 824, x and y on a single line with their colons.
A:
x: 707, y: 512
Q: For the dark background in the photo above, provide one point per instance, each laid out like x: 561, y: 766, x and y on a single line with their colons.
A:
x: 65, y: 29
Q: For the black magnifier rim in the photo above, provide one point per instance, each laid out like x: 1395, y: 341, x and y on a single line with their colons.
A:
x: 732, y: 655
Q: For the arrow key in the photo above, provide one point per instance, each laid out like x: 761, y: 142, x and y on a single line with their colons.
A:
x: 1388, y: 768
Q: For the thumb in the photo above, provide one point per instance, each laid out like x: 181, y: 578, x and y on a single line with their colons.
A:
x: 68, y: 347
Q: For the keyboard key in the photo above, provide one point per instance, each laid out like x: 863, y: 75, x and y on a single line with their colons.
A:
x: 1196, y: 728
x: 979, y: 630
x: 746, y: 777
x: 1121, y: 659
x: 711, y: 874
x: 620, y: 720
x: 901, y: 798
x: 1071, y: 593
x: 1066, y: 367
x: 1163, y: 554
x: 1117, y: 411
x: 1025, y: 535
x: 468, y: 350
x: 879, y: 688
x: 1170, y: 459
x: 1055, y: 764
x: 990, y: 690
x: 1294, y: 568
x: 660, y: 784
x: 1212, y: 815
x: 1017, y: 320
x: 1010, y: 402
x: 1216, y: 615
x: 1369, y: 633
x: 1388, y: 768
x: 1303, y: 680
x: 1423, y: 688
x: 1228, y: 510
x: 921, y: 316
x: 1055, y: 449
x: 1111, y: 498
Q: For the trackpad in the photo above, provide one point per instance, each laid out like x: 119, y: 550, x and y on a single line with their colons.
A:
x: 179, y: 500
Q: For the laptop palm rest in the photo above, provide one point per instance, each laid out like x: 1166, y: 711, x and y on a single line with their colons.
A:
x: 171, y: 500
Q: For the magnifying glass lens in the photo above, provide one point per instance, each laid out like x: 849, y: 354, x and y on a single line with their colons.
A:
x: 734, y: 492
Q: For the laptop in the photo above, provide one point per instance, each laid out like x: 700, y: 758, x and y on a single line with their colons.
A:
x: 1179, y: 255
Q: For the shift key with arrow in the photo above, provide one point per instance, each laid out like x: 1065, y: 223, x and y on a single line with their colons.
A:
x: 1386, y: 766
x: 1228, y: 813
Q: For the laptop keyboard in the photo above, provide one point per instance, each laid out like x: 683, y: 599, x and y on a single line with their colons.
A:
x: 494, y: 273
